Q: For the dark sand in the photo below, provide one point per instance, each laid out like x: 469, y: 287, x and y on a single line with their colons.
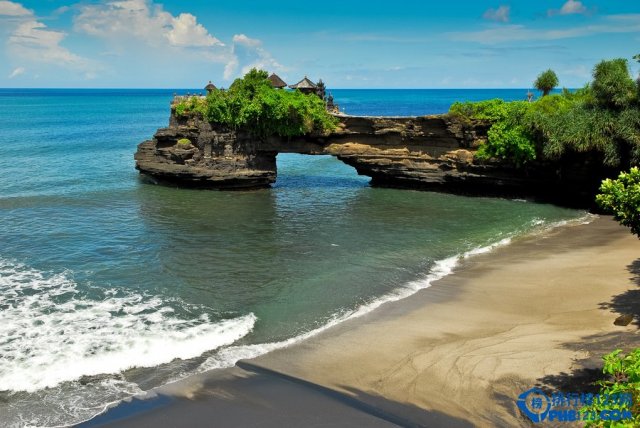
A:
x: 537, y: 312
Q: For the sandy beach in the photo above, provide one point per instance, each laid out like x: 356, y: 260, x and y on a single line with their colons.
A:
x: 539, y: 311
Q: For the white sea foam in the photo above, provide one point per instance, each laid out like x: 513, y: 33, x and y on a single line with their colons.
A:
x: 229, y: 356
x: 51, y: 333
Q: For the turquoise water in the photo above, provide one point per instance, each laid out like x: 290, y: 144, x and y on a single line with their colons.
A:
x: 110, y: 286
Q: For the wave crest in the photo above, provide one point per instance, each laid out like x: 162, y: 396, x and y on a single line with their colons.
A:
x: 51, y: 333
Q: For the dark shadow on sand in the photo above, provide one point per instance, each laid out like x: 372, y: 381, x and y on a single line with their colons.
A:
x: 588, y: 370
x: 255, y: 397
x: 629, y: 301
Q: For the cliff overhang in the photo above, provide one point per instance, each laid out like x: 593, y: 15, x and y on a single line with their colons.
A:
x: 429, y: 152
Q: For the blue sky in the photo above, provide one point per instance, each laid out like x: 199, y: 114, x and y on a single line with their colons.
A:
x: 349, y: 44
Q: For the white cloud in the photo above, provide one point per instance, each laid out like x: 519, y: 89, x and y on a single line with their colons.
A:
x: 141, y: 30
x: 501, y: 14
x: 143, y: 20
x: 9, y: 8
x: 629, y: 23
x: 125, y: 23
x: 187, y: 32
x: 571, y: 7
x: 248, y: 53
x: 242, y: 39
x: 33, y: 41
x: 61, y: 10
x: 16, y: 72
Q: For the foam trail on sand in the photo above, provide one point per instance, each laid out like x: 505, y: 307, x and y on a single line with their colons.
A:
x: 229, y: 356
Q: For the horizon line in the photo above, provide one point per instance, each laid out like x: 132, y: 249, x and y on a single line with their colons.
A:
x: 341, y: 89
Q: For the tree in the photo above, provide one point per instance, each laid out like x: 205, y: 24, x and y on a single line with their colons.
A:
x: 637, y: 58
x: 622, y: 198
x: 612, y: 84
x: 546, y: 81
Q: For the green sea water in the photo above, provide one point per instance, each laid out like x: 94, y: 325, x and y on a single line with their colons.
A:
x: 110, y: 286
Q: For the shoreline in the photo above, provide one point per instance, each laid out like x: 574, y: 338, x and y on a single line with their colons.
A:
x: 445, y: 328
x: 439, y: 270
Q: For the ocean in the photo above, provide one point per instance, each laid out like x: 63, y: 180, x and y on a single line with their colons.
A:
x: 110, y: 286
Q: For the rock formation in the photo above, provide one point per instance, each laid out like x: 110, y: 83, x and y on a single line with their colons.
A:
x: 430, y: 152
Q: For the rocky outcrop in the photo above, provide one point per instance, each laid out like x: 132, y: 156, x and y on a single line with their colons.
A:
x: 215, y: 157
x: 430, y: 152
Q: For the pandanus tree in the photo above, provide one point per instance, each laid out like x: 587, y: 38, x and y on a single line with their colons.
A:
x: 546, y: 81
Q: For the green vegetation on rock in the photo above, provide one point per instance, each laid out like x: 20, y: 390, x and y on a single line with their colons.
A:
x: 184, y: 142
x: 622, y: 198
x: 546, y: 82
x: 252, y: 104
x: 602, y: 118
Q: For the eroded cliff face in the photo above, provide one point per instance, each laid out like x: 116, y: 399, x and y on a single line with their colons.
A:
x: 430, y: 152
x: 421, y: 148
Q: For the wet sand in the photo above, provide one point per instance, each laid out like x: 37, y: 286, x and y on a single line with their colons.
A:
x: 537, y: 312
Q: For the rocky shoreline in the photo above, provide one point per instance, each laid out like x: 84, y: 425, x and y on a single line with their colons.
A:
x: 429, y: 152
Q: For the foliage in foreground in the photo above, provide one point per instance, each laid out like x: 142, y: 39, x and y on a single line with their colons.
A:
x: 603, y: 117
x: 622, y: 198
x: 251, y: 103
x: 623, y: 374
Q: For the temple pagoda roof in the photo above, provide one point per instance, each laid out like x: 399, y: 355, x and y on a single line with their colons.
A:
x: 304, y: 84
x: 277, y: 82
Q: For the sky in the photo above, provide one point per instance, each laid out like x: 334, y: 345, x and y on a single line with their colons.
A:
x: 347, y: 43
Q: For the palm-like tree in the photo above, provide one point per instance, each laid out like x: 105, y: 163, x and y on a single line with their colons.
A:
x: 546, y: 81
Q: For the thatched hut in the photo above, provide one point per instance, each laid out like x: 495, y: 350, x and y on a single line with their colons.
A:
x: 210, y: 87
x: 305, y: 86
x: 277, y: 82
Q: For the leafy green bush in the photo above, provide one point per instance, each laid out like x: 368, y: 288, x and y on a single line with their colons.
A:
x: 546, y: 81
x: 602, y: 118
x: 623, y: 378
x: 507, y: 142
x: 622, y: 198
x: 612, y: 84
x: 190, y: 105
x: 507, y: 138
x: 252, y: 104
x: 491, y: 110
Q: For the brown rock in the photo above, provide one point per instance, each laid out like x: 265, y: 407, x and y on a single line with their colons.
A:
x: 429, y: 152
x: 623, y: 320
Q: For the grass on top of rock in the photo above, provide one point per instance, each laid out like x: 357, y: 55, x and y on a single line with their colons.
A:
x: 602, y: 117
x: 252, y: 104
x: 184, y: 143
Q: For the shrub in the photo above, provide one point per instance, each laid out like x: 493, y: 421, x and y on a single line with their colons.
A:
x: 580, y: 121
x: 623, y: 378
x: 622, y: 198
x: 546, y: 81
x: 191, y: 105
x: 612, y: 85
x: 508, y: 142
x: 507, y: 138
x: 184, y: 142
x: 252, y: 104
x: 491, y: 110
